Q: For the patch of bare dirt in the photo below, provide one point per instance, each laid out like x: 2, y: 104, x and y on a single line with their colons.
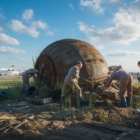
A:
x: 58, y: 129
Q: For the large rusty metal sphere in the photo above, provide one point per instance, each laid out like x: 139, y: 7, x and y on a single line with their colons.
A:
x: 61, y: 55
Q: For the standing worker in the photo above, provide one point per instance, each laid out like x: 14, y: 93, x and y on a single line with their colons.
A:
x: 125, y: 80
x: 25, y: 76
x: 71, y: 80
x: 138, y: 72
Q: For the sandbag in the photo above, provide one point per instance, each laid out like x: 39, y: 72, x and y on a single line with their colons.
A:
x: 55, y: 94
x: 42, y: 92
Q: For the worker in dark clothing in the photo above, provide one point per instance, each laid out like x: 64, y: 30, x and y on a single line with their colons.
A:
x: 25, y: 76
x: 139, y: 63
x: 125, y: 80
x: 138, y: 74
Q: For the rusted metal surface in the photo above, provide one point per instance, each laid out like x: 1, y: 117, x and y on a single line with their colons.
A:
x: 61, y: 55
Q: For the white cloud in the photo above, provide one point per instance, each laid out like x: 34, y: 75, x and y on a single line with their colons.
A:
x: 113, y: 0
x: 40, y: 24
x: 28, y: 14
x: 32, y: 31
x: 6, y: 62
x: 125, y: 30
x: 100, y: 47
x: 21, y: 59
x: 17, y: 26
x: 28, y: 27
x: 7, y: 40
x: 122, y: 53
x: 127, y: 64
x: 8, y: 50
x: 134, y: 1
x: 122, y: 61
x: 71, y: 6
x: 49, y: 33
x: 93, y: 5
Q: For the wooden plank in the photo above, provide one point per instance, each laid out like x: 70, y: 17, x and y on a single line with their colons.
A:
x: 21, y: 123
x: 7, y: 118
x: 110, y: 126
x: 13, y: 118
x: 23, y: 116
x: 124, y: 134
x: 6, y: 130
x: 42, y: 101
x: 132, y: 136
x: 126, y: 139
x: 137, y: 132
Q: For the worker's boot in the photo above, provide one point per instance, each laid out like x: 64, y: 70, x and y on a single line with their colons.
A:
x: 26, y: 92
x: 82, y: 103
x: 128, y: 99
x: 123, y: 100
x: 62, y: 98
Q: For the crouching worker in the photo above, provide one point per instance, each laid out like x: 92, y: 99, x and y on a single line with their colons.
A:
x: 25, y: 77
x: 125, y: 80
x: 71, y: 80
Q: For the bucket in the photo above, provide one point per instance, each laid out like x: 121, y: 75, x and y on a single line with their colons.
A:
x: 31, y: 90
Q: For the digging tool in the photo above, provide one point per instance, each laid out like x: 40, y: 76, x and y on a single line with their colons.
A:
x: 134, y: 93
x: 3, y: 94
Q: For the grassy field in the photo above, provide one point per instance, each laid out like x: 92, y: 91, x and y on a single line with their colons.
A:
x: 12, y: 85
x: 10, y: 78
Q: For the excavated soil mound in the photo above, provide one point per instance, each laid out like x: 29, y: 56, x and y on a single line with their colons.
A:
x: 111, y: 92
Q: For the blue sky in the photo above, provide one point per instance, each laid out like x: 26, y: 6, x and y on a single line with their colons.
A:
x: 111, y: 26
